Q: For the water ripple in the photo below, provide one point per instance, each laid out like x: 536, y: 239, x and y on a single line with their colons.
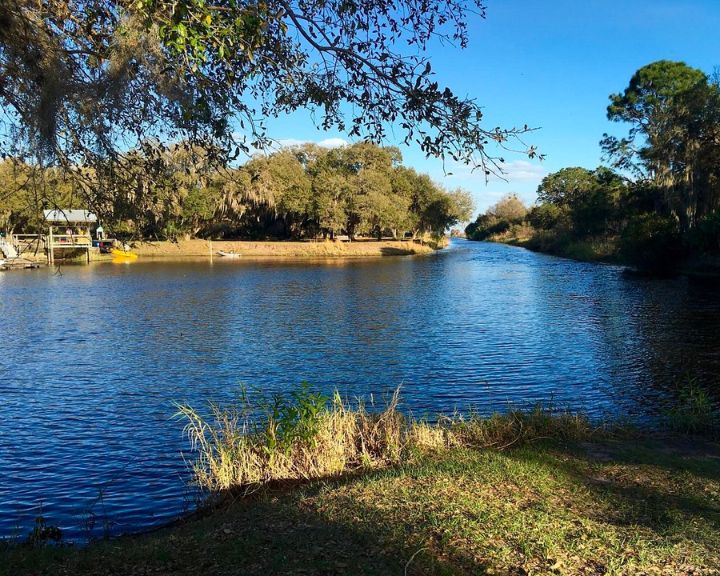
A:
x: 92, y: 361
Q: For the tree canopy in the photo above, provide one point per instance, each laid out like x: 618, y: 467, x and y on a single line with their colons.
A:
x: 82, y: 82
x: 674, y: 136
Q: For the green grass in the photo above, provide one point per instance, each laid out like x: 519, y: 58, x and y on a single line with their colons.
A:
x: 586, y: 250
x: 609, y: 507
x: 317, y: 485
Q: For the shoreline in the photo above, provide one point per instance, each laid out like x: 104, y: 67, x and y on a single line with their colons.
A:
x: 262, y: 249
x: 572, y: 506
x: 265, y: 249
x: 695, y: 267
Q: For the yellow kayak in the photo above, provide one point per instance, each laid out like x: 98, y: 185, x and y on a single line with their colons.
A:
x: 122, y: 253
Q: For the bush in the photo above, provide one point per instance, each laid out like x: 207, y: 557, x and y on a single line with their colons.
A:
x: 651, y: 241
x: 706, y: 235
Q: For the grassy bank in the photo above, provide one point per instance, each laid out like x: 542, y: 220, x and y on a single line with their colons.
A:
x: 309, y: 249
x: 609, y: 507
x: 313, y: 485
x: 601, y: 249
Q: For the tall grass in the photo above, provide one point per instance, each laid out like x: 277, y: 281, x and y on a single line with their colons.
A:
x: 307, y: 435
x: 693, y: 411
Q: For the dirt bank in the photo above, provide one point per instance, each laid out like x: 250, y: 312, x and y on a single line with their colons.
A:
x: 194, y: 248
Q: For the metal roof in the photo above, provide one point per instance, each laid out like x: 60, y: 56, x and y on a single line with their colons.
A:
x: 69, y: 216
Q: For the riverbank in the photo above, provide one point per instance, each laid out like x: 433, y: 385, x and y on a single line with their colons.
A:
x: 613, y: 506
x: 309, y: 249
x: 199, y: 248
x: 605, y: 249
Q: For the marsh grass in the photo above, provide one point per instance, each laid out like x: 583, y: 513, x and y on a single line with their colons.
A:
x: 307, y: 435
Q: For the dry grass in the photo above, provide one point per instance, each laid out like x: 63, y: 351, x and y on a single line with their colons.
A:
x: 307, y: 435
x: 261, y: 249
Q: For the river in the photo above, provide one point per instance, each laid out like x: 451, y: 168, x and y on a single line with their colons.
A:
x: 92, y: 358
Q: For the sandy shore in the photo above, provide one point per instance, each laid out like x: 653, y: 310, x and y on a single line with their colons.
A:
x: 323, y: 249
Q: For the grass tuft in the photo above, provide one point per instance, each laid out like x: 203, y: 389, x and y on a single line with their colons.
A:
x: 693, y: 411
x: 307, y: 435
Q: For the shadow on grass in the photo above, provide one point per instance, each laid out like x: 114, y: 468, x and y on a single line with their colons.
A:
x: 639, y: 483
x: 453, y: 513
x: 283, y: 529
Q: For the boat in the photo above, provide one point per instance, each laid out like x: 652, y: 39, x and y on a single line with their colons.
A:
x: 228, y: 254
x: 117, y: 253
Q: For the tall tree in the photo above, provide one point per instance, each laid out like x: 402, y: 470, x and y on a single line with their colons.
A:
x: 673, y: 115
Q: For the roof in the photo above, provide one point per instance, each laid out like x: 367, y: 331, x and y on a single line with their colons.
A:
x: 67, y: 216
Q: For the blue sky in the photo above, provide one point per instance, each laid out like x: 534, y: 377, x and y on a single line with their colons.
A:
x: 552, y: 65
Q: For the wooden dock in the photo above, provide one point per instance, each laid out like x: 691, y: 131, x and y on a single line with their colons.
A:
x: 18, y: 264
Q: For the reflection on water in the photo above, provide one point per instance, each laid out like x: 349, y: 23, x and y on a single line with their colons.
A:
x: 92, y: 360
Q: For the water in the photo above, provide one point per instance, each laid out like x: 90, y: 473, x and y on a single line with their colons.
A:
x: 92, y: 360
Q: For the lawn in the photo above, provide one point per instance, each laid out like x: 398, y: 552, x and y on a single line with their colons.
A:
x: 642, y: 506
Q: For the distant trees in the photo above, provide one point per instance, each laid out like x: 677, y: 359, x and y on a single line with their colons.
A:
x: 660, y: 199
x: 499, y: 219
x: 306, y: 191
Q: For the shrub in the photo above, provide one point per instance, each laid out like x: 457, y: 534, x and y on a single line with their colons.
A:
x: 651, y: 241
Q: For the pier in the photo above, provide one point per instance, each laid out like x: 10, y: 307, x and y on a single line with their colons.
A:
x: 68, y: 236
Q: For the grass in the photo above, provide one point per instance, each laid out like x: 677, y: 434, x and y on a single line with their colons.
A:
x: 542, y: 508
x: 307, y: 435
x: 283, y: 249
x: 329, y: 487
x: 693, y: 411
x: 599, y: 249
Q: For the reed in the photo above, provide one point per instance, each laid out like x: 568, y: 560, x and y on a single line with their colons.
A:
x: 307, y: 435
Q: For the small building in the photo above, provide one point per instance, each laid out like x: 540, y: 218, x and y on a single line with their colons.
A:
x: 69, y: 229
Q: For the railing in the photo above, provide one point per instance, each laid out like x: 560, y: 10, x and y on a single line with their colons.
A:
x: 27, y: 243
x: 71, y: 240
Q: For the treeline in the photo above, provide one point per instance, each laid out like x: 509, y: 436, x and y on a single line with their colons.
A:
x: 301, y: 192
x: 659, y: 200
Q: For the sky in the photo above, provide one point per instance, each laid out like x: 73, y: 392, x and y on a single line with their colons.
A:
x: 550, y: 65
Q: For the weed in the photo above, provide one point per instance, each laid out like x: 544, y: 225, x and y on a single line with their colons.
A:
x: 42, y: 533
x: 694, y: 412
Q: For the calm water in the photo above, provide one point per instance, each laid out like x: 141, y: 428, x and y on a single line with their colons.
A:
x: 92, y: 360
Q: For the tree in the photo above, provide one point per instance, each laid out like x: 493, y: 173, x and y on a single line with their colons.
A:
x: 547, y: 217
x: 294, y: 192
x: 564, y: 187
x: 674, y: 116
x: 447, y: 209
x: 579, y: 200
x: 83, y: 81
x: 509, y: 208
x: 25, y: 190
